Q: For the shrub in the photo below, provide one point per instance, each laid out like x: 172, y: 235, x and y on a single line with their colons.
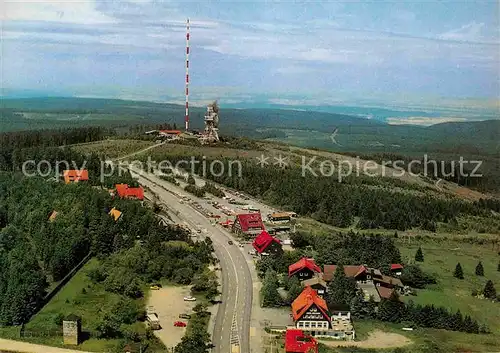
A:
x: 458, y: 273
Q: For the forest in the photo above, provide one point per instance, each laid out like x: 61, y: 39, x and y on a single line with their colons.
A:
x: 356, y: 134
x: 353, y: 201
x: 484, y: 178
x: 37, y: 251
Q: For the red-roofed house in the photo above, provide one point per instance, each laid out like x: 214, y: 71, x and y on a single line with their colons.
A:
x: 304, y: 269
x: 397, y: 269
x: 74, y: 176
x: 126, y: 192
x: 310, y: 313
x: 248, y: 224
x: 297, y: 342
x: 170, y: 134
x: 265, y: 243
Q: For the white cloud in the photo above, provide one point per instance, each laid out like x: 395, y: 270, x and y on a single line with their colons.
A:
x: 422, y: 120
x: 67, y: 11
x: 469, y: 32
x: 316, y: 101
x: 295, y: 70
x: 150, y: 35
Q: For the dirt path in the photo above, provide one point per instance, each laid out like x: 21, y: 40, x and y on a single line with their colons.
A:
x: 138, y: 152
x: 18, y: 346
x: 376, y: 339
x: 168, y: 303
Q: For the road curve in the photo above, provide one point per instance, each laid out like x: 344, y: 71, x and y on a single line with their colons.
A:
x: 232, y: 323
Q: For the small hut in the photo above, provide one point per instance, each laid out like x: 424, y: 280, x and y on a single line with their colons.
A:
x: 72, y: 329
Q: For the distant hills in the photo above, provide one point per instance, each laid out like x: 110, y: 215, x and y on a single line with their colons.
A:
x: 307, y: 128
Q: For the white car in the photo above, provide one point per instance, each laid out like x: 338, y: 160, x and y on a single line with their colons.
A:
x: 189, y: 299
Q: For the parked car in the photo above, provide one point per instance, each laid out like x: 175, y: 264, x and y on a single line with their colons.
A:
x: 155, y: 286
x: 189, y: 299
x: 184, y: 316
x: 230, y: 242
x: 180, y: 324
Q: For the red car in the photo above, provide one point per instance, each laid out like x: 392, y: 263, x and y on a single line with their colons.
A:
x: 180, y: 324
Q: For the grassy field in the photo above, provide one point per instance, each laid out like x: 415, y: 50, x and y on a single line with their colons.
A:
x: 440, y: 258
x: 424, y: 340
x: 441, y: 254
x: 82, y: 298
x: 113, y: 148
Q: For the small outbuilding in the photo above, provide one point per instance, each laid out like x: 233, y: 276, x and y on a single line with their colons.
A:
x: 72, y: 329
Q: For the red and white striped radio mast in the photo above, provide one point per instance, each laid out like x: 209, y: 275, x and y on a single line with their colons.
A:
x: 187, y: 76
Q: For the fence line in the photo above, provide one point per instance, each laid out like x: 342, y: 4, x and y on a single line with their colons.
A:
x: 61, y: 284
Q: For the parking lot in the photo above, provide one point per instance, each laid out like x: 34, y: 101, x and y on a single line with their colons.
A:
x: 168, y: 304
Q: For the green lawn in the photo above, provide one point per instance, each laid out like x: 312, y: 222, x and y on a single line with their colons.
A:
x: 113, y: 148
x: 424, y: 340
x: 82, y: 298
x: 441, y: 258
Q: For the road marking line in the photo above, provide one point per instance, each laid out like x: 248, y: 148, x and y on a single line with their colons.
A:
x: 220, y: 243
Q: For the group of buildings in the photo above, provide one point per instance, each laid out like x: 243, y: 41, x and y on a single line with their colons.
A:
x: 312, y: 316
x: 251, y: 224
x: 168, y: 135
x: 123, y: 191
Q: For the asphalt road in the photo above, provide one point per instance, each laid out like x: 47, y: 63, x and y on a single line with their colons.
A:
x: 232, y: 324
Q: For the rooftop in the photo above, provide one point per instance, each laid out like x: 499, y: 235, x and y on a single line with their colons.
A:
x: 350, y: 271
x: 263, y: 241
x: 384, y: 292
x: 297, y: 342
x: 116, y: 214
x: 250, y: 221
x: 305, y: 300
x: 301, y: 264
x: 75, y: 175
x: 314, y: 280
x: 125, y: 191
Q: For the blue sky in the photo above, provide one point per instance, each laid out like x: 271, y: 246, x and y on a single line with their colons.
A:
x: 322, y: 52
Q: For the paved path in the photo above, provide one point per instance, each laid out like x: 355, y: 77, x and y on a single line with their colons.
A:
x: 376, y: 339
x: 18, y: 346
x: 232, y: 324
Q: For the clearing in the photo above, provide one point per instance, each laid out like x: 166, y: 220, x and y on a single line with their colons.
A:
x: 440, y: 259
x: 80, y: 297
x: 376, y: 339
x: 113, y: 148
x: 168, y: 303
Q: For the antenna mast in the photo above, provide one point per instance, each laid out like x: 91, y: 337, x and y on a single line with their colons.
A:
x: 187, y: 76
